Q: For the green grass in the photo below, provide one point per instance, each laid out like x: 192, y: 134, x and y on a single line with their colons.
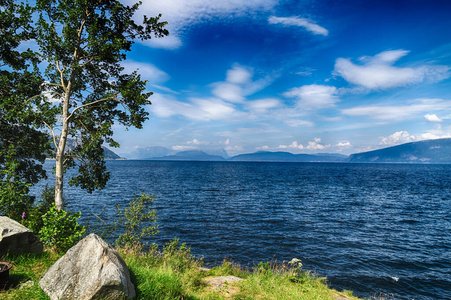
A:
x: 25, y: 274
x: 173, y: 273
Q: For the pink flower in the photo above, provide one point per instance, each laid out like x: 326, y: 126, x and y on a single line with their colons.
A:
x: 23, y: 215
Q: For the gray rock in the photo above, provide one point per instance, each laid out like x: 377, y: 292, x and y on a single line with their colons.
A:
x: 17, y: 239
x: 89, y: 270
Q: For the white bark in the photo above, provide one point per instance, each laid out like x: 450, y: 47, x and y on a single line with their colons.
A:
x: 60, y: 156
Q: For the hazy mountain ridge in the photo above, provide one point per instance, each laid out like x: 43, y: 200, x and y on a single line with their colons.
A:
x: 191, y: 155
x: 289, y: 157
x: 430, y: 151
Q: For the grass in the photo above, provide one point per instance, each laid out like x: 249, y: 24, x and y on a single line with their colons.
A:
x: 173, y: 273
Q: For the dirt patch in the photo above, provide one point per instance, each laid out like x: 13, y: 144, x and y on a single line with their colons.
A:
x: 223, y: 284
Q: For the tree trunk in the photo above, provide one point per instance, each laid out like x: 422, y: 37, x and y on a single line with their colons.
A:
x: 59, y: 166
x: 59, y: 180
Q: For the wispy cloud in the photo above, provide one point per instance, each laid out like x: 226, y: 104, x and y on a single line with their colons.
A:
x: 300, y: 22
x: 166, y: 106
x: 263, y: 105
x: 314, y: 96
x: 182, y: 14
x: 148, y: 71
x: 297, y: 123
x: 239, y: 84
x: 378, y: 72
x: 399, y: 112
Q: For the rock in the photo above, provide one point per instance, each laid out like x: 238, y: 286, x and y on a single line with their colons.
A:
x: 221, y: 281
x: 89, y: 270
x: 222, y: 284
x: 17, y: 239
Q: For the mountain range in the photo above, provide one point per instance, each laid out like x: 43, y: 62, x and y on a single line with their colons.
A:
x: 429, y: 151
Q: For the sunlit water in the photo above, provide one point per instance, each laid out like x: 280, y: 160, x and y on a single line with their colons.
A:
x: 370, y: 228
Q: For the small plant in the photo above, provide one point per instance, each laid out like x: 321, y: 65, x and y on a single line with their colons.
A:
x: 296, y: 271
x: 264, y: 268
x: 135, y: 221
x: 60, y: 229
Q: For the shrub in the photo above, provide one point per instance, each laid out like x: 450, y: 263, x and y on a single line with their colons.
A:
x: 14, y: 197
x: 33, y: 219
x: 60, y: 229
x: 135, y: 221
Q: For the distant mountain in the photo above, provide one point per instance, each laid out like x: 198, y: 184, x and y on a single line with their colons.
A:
x: 289, y: 157
x: 191, y: 155
x: 71, y: 144
x: 430, y: 151
x: 110, y: 154
x: 149, y: 152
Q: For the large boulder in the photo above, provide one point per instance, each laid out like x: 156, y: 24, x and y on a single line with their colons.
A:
x: 89, y: 270
x: 17, y: 239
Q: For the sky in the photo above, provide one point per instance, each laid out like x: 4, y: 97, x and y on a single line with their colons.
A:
x: 296, y: 76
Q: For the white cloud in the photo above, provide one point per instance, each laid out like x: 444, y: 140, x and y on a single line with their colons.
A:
x: 239, y: 75
x: 172, y: 41
x: 197, y: 142
x: 399, y: 112
x: 296, y: 123
x: 399, y: 137
x: 264, y: 148
x: 301, y: 22
x: 182, y: 14
x: 293, y: 145
x: 402, y: 137
x: 432, y: 118
x: 263, y: 105
x: 316, y: 145
x: 311, y: 145
x: 344, y: 145
x: 147, y: 71
x: 378, y: 72
x: 229, y: 92
x: 166, y: 106
x: 314, y: 96
x: 166, y: 89
x: 239, y: 84
x: 214, y: 109
x: 183, y: 148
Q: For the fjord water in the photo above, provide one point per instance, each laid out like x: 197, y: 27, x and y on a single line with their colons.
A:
x: 371, y: 228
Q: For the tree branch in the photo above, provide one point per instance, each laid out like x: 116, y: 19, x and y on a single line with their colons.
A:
x: 53, y: 134
x: 91, y: 103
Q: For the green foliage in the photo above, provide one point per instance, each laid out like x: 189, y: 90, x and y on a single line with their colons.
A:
x: 84, y: 43
x: 135, y: 220
x: 22, y: 111
x: 297, y: 275
x: 60, y: 229
x: 33, y: 219
x: 14, y: 198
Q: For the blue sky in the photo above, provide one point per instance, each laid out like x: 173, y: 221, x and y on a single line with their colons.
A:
x: 297, y: 76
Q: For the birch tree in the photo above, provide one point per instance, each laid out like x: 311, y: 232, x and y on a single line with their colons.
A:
x: 83, y: 42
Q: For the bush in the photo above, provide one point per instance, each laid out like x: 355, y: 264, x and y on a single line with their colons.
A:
x: 14, y: 197
x: 135, y: 222
x: 33, y: 219
x: 60, y: 229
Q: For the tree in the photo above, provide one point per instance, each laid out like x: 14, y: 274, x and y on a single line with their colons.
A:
x: 22, y: 141
x: 83, y: 42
